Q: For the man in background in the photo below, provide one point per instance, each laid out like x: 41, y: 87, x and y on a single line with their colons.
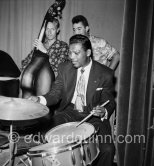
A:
x: 51, y: 45
x: 103, y: 52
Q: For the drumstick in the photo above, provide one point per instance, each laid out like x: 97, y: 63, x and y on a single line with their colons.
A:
x: 87, y: 117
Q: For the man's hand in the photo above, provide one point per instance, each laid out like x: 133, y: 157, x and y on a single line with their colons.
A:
x: 39, y: 45
x: 34, y: 98
x: 98, y: 111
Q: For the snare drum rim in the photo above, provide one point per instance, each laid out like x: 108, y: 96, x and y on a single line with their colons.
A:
x: 68, y: 124
x: 56, y: 150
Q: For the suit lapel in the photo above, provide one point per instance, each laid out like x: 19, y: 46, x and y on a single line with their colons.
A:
x: 92, y: 83
x: 71, y: 82
x: 91, y: 87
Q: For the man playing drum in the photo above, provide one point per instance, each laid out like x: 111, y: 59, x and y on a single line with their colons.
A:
x: 81, y: 87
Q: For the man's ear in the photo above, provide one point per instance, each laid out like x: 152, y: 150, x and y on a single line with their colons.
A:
x: 88, y: 52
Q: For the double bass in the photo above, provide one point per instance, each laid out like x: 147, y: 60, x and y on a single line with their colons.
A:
x: 38, y: 76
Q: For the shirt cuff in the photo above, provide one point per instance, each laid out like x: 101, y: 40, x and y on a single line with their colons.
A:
x: 42, y: 100
x: 105, y: 116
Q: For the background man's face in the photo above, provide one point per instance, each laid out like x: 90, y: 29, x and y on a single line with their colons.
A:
x: 79, y: 28
x: 51, y: 31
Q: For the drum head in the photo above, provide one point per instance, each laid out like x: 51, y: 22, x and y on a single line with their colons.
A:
x: 68, y: 133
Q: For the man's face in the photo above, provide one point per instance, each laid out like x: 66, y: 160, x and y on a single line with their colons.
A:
x: 78, y: 55
x: 79, y: 28
x: 51, y: 31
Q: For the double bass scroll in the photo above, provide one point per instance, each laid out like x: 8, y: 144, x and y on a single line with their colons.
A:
x: 55, y: 10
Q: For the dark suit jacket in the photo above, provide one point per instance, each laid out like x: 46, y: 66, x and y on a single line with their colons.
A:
x: 100, y: 87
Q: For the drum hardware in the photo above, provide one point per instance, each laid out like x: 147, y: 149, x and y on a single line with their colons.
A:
x: 43, y: 162
x: 89, y: 153
x: 92, y: 113
x: 6, y: 163
x: 73, y: 158
x: 54, y: 151
x: 83, y: 155
x: 13, y: 149
x: 14, y: 110
x: 85, y: 142
x: 3, y: 141
x: 23, y: 161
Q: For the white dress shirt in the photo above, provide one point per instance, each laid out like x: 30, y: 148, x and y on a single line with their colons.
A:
x: 86, y: 77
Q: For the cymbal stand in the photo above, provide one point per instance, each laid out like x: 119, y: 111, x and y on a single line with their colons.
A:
x: 12, y: 145
x: 13, y: 148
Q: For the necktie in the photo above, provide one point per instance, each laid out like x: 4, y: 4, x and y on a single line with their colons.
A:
x: 80, y: 99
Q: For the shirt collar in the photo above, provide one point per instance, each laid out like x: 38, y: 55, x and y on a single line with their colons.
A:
x: 86, y: 68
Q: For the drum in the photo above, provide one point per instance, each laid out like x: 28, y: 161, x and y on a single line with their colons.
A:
x: 67, y: 145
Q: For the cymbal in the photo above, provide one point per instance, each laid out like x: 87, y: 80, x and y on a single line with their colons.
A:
x: 18, y: 109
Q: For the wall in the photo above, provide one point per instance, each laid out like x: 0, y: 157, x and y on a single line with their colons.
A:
x: 20, y: 22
